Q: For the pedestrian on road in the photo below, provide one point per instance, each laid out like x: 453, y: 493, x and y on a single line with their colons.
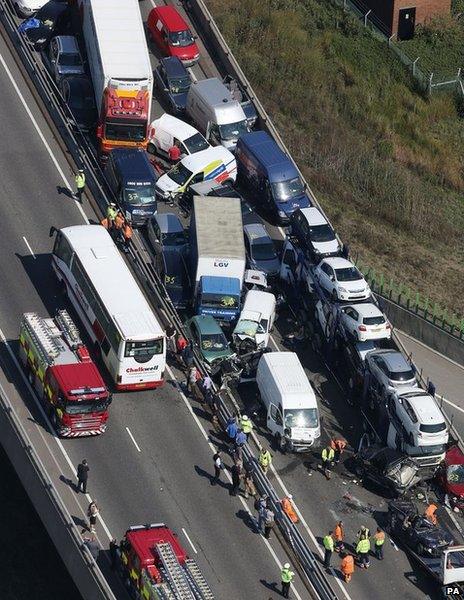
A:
x: 240, y: 439
x: 362, y: 550
x: 231, y: 430
x: 269, y: 521
x: 328, y: 542
x: 92, y: 513
x: 339, y: 535
x: 289, y: 510
x: 235, y: 473
x: 207, y: 384
x: 286, y: 576
x: 188, y: 356
x: 191, y: 379
x: 260, y: 506
x: 218, y: 467
x: 246, y: 425
x: 174, y: 152
x: 119, y: 222
x: 248, y: 482
x: 265, y: 459
x: 127, y: 232
x: 379, y: 540
x: 111, y: 214
x: 171, y: 340
x: 347, y: 566
x: 430, y: 515
x: 82, y: 476
x: 364, y: 532
x: 80, y: 184
x: 338, y: 445
x: 327, y: 456
x: 114, y: 553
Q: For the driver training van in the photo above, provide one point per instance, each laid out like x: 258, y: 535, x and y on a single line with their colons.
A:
x: 289, y: 399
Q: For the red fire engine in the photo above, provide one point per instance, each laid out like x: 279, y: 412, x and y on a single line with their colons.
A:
x: 60, y: 369
x: 154, y: 565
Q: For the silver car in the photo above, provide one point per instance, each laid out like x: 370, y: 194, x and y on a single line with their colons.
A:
x: 65, y: 57
x: 390, y: 371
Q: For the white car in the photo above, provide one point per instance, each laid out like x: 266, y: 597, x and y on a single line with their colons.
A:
x: 167, y: 131
x: 26, y: 8
x: 365, y: 322
x: 341, y: 279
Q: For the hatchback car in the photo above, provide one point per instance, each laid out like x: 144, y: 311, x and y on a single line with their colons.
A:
x: 209, y: 338
x: 168, y: 30
x: 78, y: 95
x: 260, y: 250
x: 65, y: 57
x: 341, y: 279
x: 52, y: 19
x: 390, y: 369
x: 365, y: 322
x: 173, y: 82
x: 165, y: 231
x: 314, y: 233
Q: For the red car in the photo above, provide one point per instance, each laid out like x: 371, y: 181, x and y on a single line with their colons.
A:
x: 168, y: 30
x: 451, y: 476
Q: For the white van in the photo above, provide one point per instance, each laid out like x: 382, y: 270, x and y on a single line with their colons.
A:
x: 255, y: 322
x: 213, y: 110
x: 215, y: 163
x: 166, y: 131
x: 292, y: 411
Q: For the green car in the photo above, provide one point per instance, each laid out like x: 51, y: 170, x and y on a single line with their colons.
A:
x: 209, y: 338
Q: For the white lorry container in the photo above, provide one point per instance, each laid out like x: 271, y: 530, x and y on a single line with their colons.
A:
x: 217, y: 256
x: 254, y: 326
x: 122, y: 76
x: 290, y: 402
x: 212, y: 108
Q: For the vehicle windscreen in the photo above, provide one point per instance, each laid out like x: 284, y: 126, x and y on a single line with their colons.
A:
x: 432, y: 427
x: 179, y: 85
x: 173, y: 239
x: 264, y: 251
x: 348, y: 274
x: 130, y: 132
x: 301, y: 417
x: 284, y: 191
x: 196, y: 143
x: 455, y: 473
x: 426, y: 450
x: 321, y: 233
x: 70, y: 60
x: 143, y: 351
x: 139, y: 194
x: 214, y: 301
x: 380, y: 320
x: 181, y: 38
x: 79, y: 101
x: 401, y: 375
x: 231, y: 131
x: 213, y: 341
x: 85, y: 407
x: 180, y: 174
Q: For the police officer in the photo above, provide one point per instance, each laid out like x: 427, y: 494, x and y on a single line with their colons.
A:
x: 328, y: 542
x: 246, y: 425
x: 286, y: 576
x: 362, y: 549
x: 80, y: 184
x: 327, y: 456
x: 264, y: 459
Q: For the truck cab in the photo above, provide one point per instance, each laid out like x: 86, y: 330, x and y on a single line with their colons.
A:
x: 219, y: 297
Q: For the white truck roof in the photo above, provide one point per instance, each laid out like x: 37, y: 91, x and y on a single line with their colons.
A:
x: 178, y: 128
x: 219, y: 227
x: 121, y: 39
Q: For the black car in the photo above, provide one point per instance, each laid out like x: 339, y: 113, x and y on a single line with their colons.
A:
x: 78, y: 95
x: 173, y: 271
x: 173, y: 81
x: 54, y: 19
x: 387, y: 468
x: 409, y: 528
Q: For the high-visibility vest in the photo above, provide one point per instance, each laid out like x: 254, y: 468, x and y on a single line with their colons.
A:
x: 111, y: 213
x: 328, y: 542
x: 328, y: 454
x: 379, y: 538
x: 363, y: 546
x: 246, y: 425
x: 287, y: 575
x: 80, y: 180
x: 347, y: 565
x: 265, y: 458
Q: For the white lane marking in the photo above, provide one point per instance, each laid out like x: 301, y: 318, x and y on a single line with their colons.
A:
x: 133, y: 439
x: 189, y: 540
x: 29, y: 247
x: 41, y: 135
x: 47, y: 423
x: 459, y: 408
x: 213, y: 449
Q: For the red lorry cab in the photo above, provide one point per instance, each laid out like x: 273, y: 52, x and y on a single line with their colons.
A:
x: 168, y: 30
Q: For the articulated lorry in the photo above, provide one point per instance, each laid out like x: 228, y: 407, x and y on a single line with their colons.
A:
x: 217, y: 256
x: 122, y: 76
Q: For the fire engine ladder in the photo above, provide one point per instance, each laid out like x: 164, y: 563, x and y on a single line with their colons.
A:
x: 175, y: 574
x: 69, y: 330
x: 45, y: 338
x: 198, y: 580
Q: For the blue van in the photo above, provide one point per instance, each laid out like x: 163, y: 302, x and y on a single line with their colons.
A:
x: 270, y: 176
x: 132, y: 179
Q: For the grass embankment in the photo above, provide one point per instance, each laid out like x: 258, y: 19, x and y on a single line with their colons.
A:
x: 385, y: 163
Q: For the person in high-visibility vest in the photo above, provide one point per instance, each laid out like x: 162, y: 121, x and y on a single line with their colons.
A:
x: 286, y: 576
x: 265, y: 460
x: 362, y: 550
x: 246, y: 425
x: 379, y: 540
x: 111, y: 213
x: 80, y: 184
x: 339, y: 534
x: 327, y: 459
x: 118, y: 221
x: 287, y: 507
x: 328, y: 543
x: 347, y: 566
x: 429, y: 513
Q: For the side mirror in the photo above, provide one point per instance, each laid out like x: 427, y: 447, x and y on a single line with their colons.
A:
x: 166, y: 89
